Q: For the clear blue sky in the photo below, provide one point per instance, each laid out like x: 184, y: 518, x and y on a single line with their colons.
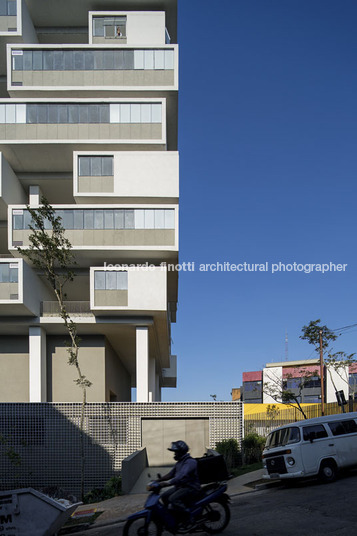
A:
x: 268, y: 173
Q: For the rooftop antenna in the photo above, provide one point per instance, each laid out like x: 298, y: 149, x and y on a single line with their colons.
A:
x: 286, y: 346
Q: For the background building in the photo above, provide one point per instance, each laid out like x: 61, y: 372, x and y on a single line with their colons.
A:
x: 257, y: 385
x: 88, y: 118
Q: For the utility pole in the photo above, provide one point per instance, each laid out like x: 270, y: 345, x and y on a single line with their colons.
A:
x: 322, y: 375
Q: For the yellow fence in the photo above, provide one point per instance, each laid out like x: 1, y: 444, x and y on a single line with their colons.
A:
x: 274, y: 416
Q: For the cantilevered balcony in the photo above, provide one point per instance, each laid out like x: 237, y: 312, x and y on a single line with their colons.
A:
x: 43, y: 134
x: 20, y: 289
x: 131, y: 27
x: 126, y: 176
x: 110, y: 232
x: 55, y: 70
x: 128, y: 290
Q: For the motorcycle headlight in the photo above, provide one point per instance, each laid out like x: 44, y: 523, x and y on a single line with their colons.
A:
x: 290, y: 461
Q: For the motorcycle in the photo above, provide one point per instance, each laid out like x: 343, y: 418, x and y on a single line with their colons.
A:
x: 210, y: 513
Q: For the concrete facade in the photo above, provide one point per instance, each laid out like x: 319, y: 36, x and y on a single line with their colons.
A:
x: 89, y: 119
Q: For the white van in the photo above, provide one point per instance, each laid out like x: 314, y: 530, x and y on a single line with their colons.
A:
x: 313, y: 447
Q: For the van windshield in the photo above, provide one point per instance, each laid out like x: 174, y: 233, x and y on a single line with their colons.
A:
x: 282, y: 437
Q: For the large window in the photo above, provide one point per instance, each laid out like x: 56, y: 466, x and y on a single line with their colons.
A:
x: 109, y: 27
x: 9, y: 273
x: 7, y: 8
x: 95, y: 166
x: 80, y: 113
x: 110, y: 280
x: 105, y: 219
x: 343, y: 427
x: 92, y: 60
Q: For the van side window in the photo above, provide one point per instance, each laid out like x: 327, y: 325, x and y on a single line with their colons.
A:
x: 316, y: 431
x: 343, y: 427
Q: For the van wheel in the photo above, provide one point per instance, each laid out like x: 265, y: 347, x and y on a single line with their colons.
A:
x: 328, y: 471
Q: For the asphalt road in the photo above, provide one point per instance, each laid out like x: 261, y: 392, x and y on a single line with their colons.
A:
x: 305, y: 509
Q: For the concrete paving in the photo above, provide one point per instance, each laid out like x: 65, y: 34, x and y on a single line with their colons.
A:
x: 117, y: 509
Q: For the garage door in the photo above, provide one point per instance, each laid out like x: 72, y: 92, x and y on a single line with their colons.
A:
x: 157, y: 435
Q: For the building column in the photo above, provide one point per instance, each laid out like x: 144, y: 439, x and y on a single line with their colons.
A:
x: 157, y: 388
x: 37, y: 364
x: 142, y: 364
x: 152, y: 374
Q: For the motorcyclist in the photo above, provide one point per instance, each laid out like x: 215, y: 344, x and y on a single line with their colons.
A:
x: 183, y: 477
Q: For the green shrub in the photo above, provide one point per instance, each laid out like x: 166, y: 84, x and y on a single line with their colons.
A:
x: 111, y: 489
x: 229, y: 449
x: 252, y: 446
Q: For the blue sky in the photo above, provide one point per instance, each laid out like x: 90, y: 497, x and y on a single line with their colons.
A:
x: 268, y: 168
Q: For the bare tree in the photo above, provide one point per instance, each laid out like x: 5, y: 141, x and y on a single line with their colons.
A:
x: 50, y: 252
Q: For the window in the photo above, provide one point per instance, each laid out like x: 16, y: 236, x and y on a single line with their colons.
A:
x: 252, y: 386
x: 109, y: 27
x: 312, y: 383
x: 92, y: 60
x: 292, y: 383
x: 7, y: 8
x: 311, y: 399
x: 104, y: 218
x: 80, y: 113
x: 343, y: 427
x: 110, y: 280
x: 282, y: 437
x: 8, y: 273
x: 316, y: 431
x: 95, y: 166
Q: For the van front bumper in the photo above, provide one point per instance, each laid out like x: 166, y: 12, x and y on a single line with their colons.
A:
x: 275, y: 476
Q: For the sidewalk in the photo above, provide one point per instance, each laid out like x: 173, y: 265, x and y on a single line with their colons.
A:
x: 117, y: 509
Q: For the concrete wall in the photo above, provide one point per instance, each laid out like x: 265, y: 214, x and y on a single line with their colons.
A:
x: 14, y: 369
x: 117, y: 378
x: 157, y: 435
x: 11, y: 191
x: 272, y: 376
x: 61, y: 376
x: 336, y: 380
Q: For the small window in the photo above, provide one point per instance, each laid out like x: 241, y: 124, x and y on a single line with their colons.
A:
x: 316, y: 431
x: 343, y: 427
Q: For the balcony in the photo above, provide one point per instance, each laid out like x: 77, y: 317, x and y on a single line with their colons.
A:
x: 126, y: 176
x: 54, y: 69
x: 131, y: 27
x: 106, y: 233
x: 42, y: 135
x: 20, y: 289
x: 129, y: 290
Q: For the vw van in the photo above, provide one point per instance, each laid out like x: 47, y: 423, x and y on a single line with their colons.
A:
x: 313, y: 447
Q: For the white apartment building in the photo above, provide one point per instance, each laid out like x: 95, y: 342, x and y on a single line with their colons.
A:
x: 88, y: 118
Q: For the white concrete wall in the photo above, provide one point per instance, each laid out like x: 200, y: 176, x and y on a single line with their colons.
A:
x: 336, y: 380
x: 272, y: 376
x: 139, y: 174
x: 145, y: 28
x: 11, y: 191
x: 147, y: 289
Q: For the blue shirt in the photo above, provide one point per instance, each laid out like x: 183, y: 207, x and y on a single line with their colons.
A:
x: 184, y: 474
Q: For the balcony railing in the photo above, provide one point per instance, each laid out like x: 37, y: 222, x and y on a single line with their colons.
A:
x: 76, y: 308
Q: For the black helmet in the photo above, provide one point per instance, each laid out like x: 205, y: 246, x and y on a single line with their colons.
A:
x: 180, y: 448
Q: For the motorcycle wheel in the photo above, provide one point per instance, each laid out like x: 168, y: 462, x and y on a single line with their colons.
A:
x: 216, y: 517
x: 137, y: 527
